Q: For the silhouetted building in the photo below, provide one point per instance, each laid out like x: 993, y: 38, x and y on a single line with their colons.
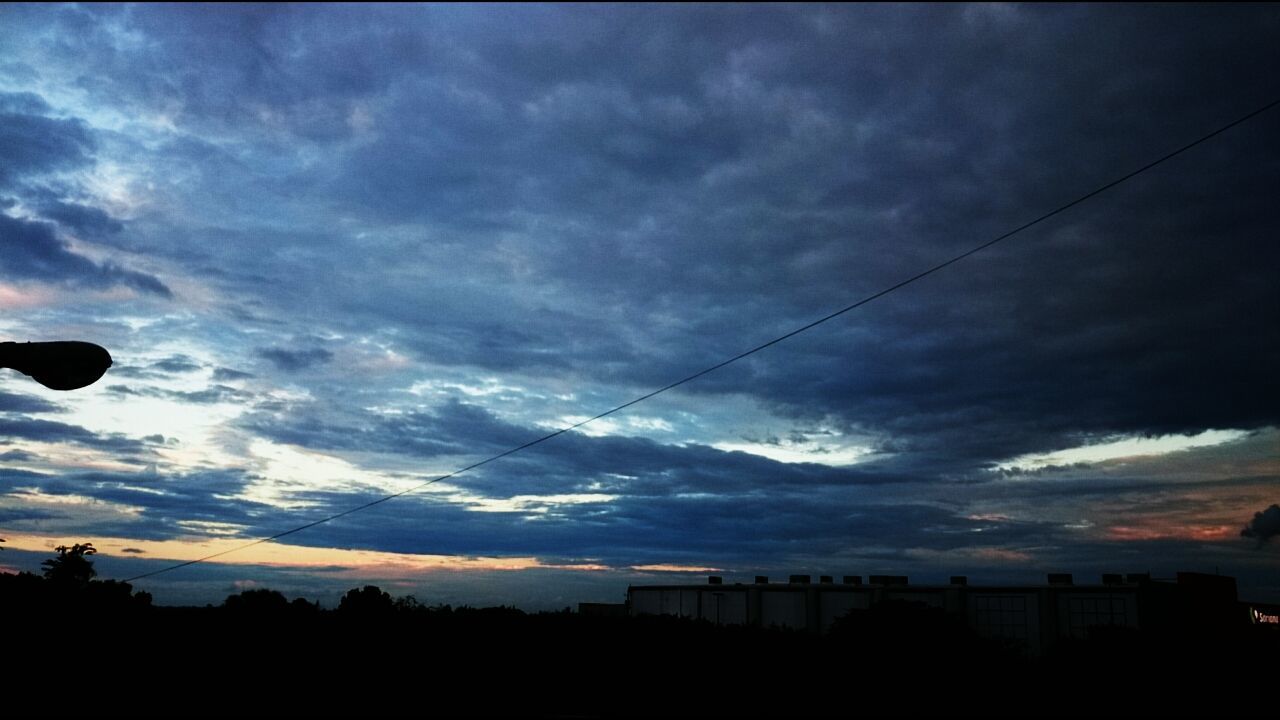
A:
x: 1033, y: 616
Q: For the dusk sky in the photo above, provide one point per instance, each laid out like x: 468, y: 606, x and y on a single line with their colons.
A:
x: 336, y: 251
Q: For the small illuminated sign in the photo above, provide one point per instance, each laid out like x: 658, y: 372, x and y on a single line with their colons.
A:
x: 1262, y: 618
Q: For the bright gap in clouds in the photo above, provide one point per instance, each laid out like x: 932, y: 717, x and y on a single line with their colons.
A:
x: 819, y: 445
x: 287, y: 471
x: 808, y: 452
x: 1116, y: 449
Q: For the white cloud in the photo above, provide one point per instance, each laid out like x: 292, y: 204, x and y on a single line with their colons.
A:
x: 833, y: 454
x: 1122, y: 448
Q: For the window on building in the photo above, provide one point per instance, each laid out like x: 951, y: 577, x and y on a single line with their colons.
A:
x: 1003, y: 616
x: 1087, y: 612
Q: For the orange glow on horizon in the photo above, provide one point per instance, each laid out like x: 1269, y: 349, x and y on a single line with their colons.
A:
x: 359, y: 563
x: 663, y: 567
x: 1209, y: 533
x: 1002, y: 555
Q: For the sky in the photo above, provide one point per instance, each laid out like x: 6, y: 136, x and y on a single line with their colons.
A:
x: 336, y: 251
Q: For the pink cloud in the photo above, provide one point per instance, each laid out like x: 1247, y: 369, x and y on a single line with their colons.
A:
x: 18, y: 298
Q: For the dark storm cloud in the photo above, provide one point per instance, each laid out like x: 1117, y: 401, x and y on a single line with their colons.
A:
x: 163, y: 502
x: 1264, y: 525
x: 177, y: 364
x: 749, y: 528
x: 122, y: 370
x: 17, y: 456
x: 667, y: 499
x: 611, y: 198
x: 172, y: 365
x: 20, y: 514
x: 665, y: 184
x: 1007, y: 357
x: 668, y: 503
x: 568, y: 463
x: 295, y: 360
x: 84, y: 219
x: 10, y: 402
x: 209, y: 395
x: 773, y: 164
x: 227, y: 374
x: 55, y: 432
x: 32, y: 144
x: 34, y: 251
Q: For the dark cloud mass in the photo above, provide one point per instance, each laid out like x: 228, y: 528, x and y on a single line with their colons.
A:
x: 776, y: 164
x: 57, y: 432
x: 211, y: 394
x: 176, y: 364
x: 33, y: 251
x: 295, y: 360
x: 165, y: 502
x: 32, y: 144
x: 227, y: 374
x: 1264, y: 525
x: 18, y: 403
x: 412, y: 236
x: 90, y: 221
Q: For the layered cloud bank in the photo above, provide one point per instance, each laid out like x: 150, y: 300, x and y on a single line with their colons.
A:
x: 337, y: 251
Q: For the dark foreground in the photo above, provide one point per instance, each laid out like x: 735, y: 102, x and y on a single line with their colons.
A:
x: 101, y: 649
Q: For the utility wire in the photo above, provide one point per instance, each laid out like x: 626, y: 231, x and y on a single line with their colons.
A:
x: 739, y: 356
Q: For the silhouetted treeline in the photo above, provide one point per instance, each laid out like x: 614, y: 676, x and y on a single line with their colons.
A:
x: 379, y: 653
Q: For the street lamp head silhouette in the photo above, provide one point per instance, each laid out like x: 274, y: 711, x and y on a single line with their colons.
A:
x: 62, y: 365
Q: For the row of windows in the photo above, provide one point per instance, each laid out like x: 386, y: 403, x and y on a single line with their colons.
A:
x: 1000, y: 616
x: 1005, y: 616
x: 1084, y: 613
x: 989, y: 602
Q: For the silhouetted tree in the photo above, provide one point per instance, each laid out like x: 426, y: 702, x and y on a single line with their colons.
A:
x: 71, y: 566
x: 408, y: 603
x: 113, y: 595
x: 368, y: 600
x: 260, y: 601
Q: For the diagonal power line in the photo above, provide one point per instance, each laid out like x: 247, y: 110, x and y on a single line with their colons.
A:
x: 670, y: 386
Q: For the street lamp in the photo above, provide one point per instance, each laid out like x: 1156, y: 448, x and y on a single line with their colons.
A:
x: 61, y: 365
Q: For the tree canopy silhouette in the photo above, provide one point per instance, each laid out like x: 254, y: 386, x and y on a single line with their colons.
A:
x: 257, y: 601
x: 71, y: 566
x: 369, y: 599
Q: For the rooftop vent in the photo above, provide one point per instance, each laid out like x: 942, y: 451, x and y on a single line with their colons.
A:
x: 852, y: 579
x: 762, y: 579
x: 1138, y: 577
x: 799, y: 579
x: 715, y: 580
x: 1060, y: 579
x: 959, y: 579
x: 1112, y: 578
